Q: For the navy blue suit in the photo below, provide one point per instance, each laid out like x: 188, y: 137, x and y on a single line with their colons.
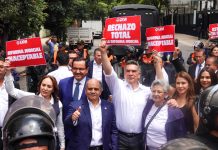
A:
x: 106, y: 92
x: 191, y: 70
x: 82, y: 132
x: 66, y: 97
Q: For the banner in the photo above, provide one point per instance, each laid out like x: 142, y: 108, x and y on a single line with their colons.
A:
x: 123, y: 30
x: 161, y: 38
x: 25, y: 52
x: 213, y: 31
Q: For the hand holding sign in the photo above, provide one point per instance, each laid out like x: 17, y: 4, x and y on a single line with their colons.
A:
x: 7, y: 65
x: 75, y: 116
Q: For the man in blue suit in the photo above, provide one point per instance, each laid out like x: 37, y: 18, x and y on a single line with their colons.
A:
x: 72, y: 88
x: 92, y: 121
x: 96, y: 71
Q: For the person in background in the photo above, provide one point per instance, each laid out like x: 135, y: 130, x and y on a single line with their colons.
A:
x: 72, y: 55
x: 195, y: 69
x: 81, y: 51
x: 214, y: 51
x: 63, y: 70
x: 96, y: 71
x: 197, y: 45
x: 160, y: 122
x: 92, y: 121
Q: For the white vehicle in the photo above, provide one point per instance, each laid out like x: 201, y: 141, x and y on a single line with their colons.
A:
x: 95, y: 25
x: 74, y: 34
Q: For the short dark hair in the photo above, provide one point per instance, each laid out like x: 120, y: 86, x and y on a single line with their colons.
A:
x: 97, y: 49
x: 133, y: 62
x: 81, y: 59
x: 215, y: 59
x: 62, y: 58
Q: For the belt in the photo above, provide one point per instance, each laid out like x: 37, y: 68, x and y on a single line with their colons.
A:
x: 129, y: 134
x: 100, y: 147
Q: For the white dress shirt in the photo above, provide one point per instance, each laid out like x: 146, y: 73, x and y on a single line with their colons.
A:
x: 96, y: 117
x: 197, y: 69
x: 129, y: 104
x: 61, y: 73
x: 3, y: 103
x: 156, y: 133
x: 97, y: 71
x: 81, y: 86
x: 165, y: 75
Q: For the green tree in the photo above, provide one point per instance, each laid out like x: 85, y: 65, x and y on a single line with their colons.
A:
x: 21, y: 18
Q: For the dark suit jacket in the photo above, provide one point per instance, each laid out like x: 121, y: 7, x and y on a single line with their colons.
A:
x: 191, y: 70
x: 82, y: 132
x: 66, y: 97
x: 106, y: 92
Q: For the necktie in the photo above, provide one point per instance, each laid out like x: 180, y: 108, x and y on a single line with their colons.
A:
x: 76, y: 92
x: 199, y: 69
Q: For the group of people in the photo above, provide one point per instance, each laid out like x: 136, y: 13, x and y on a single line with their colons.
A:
x: 96, y: 110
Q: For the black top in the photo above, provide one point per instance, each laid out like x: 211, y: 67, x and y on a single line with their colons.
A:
x: 188, y: 117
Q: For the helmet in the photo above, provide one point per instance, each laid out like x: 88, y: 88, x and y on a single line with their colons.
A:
x: 209, y: 107
x: 184, y: 144
x: 30, y: 117
x: 198, y: 44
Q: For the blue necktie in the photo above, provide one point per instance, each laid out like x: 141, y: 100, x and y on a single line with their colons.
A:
x: 199, y: 69
x: 76, y: 92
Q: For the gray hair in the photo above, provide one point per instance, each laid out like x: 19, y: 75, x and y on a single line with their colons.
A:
x: 161, y: 83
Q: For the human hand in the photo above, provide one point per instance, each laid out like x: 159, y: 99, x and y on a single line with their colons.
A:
x: 75, y: 116
x: 103, y: 46
x: 176, y: 53
x: 7, y: 65
x: 172, y: 103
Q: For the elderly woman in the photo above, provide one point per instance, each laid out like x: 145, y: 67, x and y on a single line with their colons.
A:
x: 160, y: 122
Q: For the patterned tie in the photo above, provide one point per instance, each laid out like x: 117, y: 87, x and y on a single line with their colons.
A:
x: 76, y: 92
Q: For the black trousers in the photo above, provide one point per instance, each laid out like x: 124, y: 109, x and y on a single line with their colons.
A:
x: 130, y: 141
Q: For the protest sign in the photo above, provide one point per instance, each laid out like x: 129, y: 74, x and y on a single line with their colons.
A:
x: 25, y: 52
x: 161, y: 38
x: 123, y: 30
x: 213, y: 31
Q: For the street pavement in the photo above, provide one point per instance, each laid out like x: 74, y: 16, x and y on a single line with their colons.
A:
x: 185, y: 44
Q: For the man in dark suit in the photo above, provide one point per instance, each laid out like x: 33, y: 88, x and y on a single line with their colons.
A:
x: 212, y: 63
x: 195, y: 69
x: 96, y: 71
x: 72, y: 88
x: 92, y: 121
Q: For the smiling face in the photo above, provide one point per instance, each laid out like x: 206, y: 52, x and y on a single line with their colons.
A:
x: 182, y: 85
x: 132, y: 73
x: 79, y: 70
x: 46, y: 88
x: 205, y: 80
x: 215, y: 51
x: 158, y: 94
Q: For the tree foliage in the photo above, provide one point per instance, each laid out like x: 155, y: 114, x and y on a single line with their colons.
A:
x: 21, y: 18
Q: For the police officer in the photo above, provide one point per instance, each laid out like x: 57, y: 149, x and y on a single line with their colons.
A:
x: 207, y: 132
x: 29, y: 124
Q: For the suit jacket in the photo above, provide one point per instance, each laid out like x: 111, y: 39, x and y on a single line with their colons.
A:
x: 82, y: 131
x: 106, y: 92
x: 66, y: 97
x: 191, y: 70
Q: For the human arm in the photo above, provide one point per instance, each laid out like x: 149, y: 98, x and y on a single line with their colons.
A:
x: 11, y: 90
x: 105, y: 60
x: 195, y: 118
x: 72, y: 115
x: 60, y: 128
x: 47, y: 41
